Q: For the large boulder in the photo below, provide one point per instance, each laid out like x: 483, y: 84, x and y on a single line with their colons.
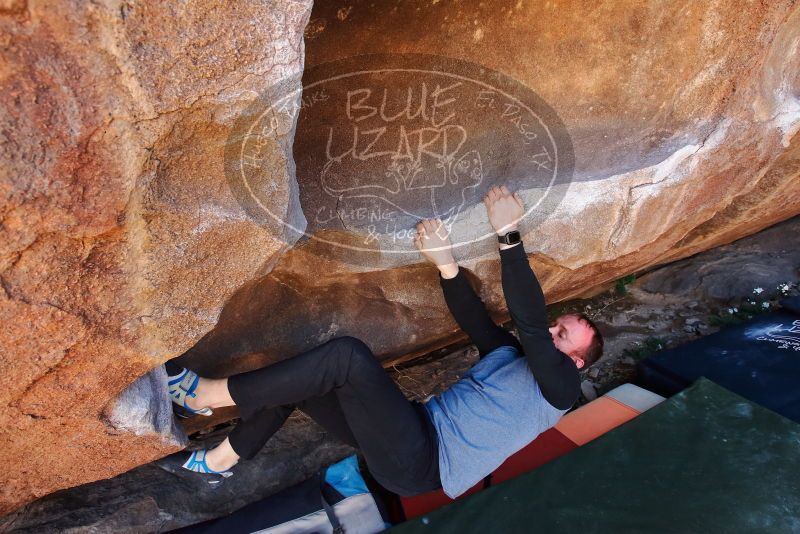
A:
x: 125, y: 227
x: 119, y: 237
x: 683, y: 121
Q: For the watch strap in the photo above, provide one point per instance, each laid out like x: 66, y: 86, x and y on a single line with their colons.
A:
x: 510, y: 238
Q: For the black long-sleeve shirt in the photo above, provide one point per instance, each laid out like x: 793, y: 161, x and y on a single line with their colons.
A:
x: 554, y: 371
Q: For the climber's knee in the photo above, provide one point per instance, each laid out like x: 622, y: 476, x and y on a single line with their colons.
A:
x: 353, y: 349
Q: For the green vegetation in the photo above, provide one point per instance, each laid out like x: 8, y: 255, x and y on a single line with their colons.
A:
x: 749, y: 308
x: 738, y: 313
x: 621, y: 286
x: 643, y: 349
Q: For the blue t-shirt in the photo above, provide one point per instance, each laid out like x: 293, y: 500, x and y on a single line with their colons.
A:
x: 491, y: 413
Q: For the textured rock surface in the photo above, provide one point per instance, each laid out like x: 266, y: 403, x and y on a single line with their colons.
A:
x: 770, y: 258
x: 143, y: 409
x: 684, y: 120
x: 120, y: 239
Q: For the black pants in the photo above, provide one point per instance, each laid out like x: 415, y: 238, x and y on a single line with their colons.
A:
x: 342, y: 387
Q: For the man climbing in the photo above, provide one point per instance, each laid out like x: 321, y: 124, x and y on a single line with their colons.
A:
x: 517, y: 390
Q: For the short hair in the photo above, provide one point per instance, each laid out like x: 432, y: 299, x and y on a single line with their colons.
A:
x: 595, y: 349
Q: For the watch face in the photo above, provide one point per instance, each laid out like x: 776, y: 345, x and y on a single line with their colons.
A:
x: 511, y: 238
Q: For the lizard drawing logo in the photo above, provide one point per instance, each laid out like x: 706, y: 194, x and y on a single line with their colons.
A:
x: 426, y: 176
x: 785, y: 336
x: 380, y: 141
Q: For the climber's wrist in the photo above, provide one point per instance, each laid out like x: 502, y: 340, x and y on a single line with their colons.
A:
x: 503, y: 230
x: 448, y: 270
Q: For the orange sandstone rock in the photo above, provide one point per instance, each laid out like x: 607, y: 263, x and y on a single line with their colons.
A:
x: 119, y: 239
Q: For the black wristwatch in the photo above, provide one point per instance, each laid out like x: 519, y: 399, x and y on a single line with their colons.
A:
x: 511, y: 238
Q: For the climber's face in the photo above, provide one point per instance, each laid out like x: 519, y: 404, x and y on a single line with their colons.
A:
x: 572, y: 336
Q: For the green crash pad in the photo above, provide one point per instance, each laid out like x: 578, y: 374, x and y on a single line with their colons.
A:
x: 706, y: 460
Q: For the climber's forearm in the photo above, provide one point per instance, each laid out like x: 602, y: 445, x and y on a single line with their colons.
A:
x: 471, y: 314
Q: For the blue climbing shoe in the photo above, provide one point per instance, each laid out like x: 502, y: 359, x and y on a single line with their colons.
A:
x: 182, y: 386
x: 197, y: 464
